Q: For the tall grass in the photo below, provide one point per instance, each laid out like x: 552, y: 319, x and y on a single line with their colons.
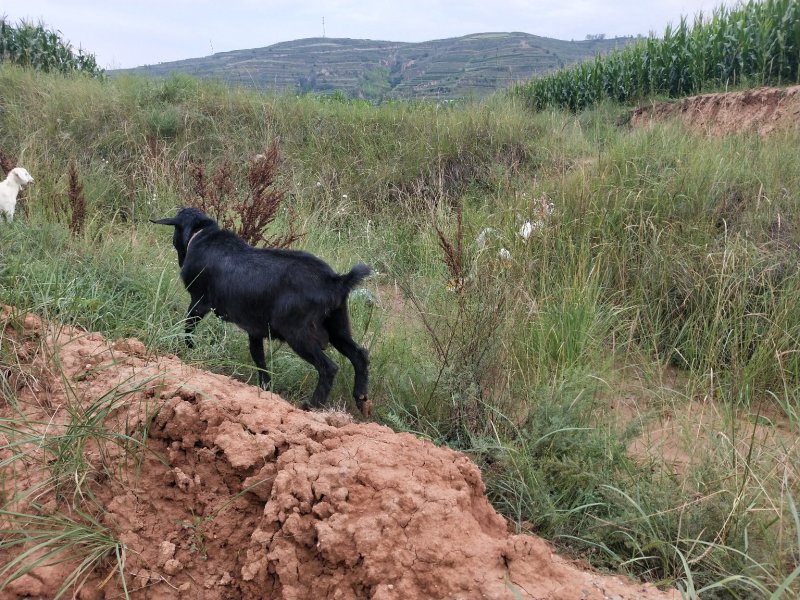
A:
x: 757, y: 43
x: 50, y: 539
x: 664, y: 279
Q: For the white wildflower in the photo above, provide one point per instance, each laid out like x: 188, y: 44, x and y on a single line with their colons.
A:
x: 526, y: 230
x: 505, y: 255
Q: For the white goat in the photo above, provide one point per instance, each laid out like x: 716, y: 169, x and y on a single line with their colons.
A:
x: 17, y: 179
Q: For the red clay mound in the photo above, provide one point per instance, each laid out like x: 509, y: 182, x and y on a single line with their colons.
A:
x: 761, y: 109
x: 253, y: 498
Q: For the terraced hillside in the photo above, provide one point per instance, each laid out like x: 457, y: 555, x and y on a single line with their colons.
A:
x: 455, y: 67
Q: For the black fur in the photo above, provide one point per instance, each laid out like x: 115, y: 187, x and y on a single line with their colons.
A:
x: 283, y: 294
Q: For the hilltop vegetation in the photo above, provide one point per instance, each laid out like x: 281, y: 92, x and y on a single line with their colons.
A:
x: 472, y: 65
x: 659, y: 294
x: 755, y: 43
x: 38, y: 47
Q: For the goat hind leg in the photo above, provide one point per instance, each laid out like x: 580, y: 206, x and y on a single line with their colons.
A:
x: 311, y: 351
x: 338, y: 327
x: 359, y: 357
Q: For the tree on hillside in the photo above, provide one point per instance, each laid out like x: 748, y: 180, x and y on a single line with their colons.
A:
x: 374, y: 84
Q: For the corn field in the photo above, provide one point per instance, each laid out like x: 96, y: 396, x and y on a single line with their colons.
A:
x: 757, y: 43
x: 36, y: 47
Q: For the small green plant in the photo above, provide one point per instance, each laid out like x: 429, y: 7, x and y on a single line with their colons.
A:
x: 196, y: 527
x: 462, y: 321
x: 164, y: 122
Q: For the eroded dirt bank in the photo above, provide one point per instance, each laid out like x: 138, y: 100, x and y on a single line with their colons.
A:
x: 244, y: 496
x: 765, y: 109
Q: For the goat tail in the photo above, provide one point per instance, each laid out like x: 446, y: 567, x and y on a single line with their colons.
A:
x: 356, y: 275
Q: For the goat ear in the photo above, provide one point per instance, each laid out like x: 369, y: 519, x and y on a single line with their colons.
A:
x: 167, y: 221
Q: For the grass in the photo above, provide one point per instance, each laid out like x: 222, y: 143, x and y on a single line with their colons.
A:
x: 49, y: 512
x: 663, y: 283
x: 53, y: 538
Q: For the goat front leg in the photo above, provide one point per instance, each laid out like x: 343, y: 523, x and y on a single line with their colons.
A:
x: 326, y: 369
x: 257, y: 352
x: 196, y: 312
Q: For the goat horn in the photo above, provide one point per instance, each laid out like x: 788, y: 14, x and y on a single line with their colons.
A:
x: 167, y: 221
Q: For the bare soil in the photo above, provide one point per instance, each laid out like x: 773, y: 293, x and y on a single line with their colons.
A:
x: 680, y: 430
x: 765, y: 109
x: 242, y: 495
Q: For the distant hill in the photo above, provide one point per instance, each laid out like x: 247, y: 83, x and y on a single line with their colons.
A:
x: 474, y: 64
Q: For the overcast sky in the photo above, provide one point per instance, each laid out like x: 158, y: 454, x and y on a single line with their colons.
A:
x: 131, y: 33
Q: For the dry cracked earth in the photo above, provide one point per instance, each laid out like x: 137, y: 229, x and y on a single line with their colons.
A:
x: 241, y: 495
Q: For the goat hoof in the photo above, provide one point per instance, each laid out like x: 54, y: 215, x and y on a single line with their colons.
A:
x: 364, y: 404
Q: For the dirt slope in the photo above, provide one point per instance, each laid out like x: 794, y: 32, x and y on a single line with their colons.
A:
x: 762, y: 109
x: 332, y: 509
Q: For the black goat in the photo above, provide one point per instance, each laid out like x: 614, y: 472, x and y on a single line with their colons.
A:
x: 283, y: 294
